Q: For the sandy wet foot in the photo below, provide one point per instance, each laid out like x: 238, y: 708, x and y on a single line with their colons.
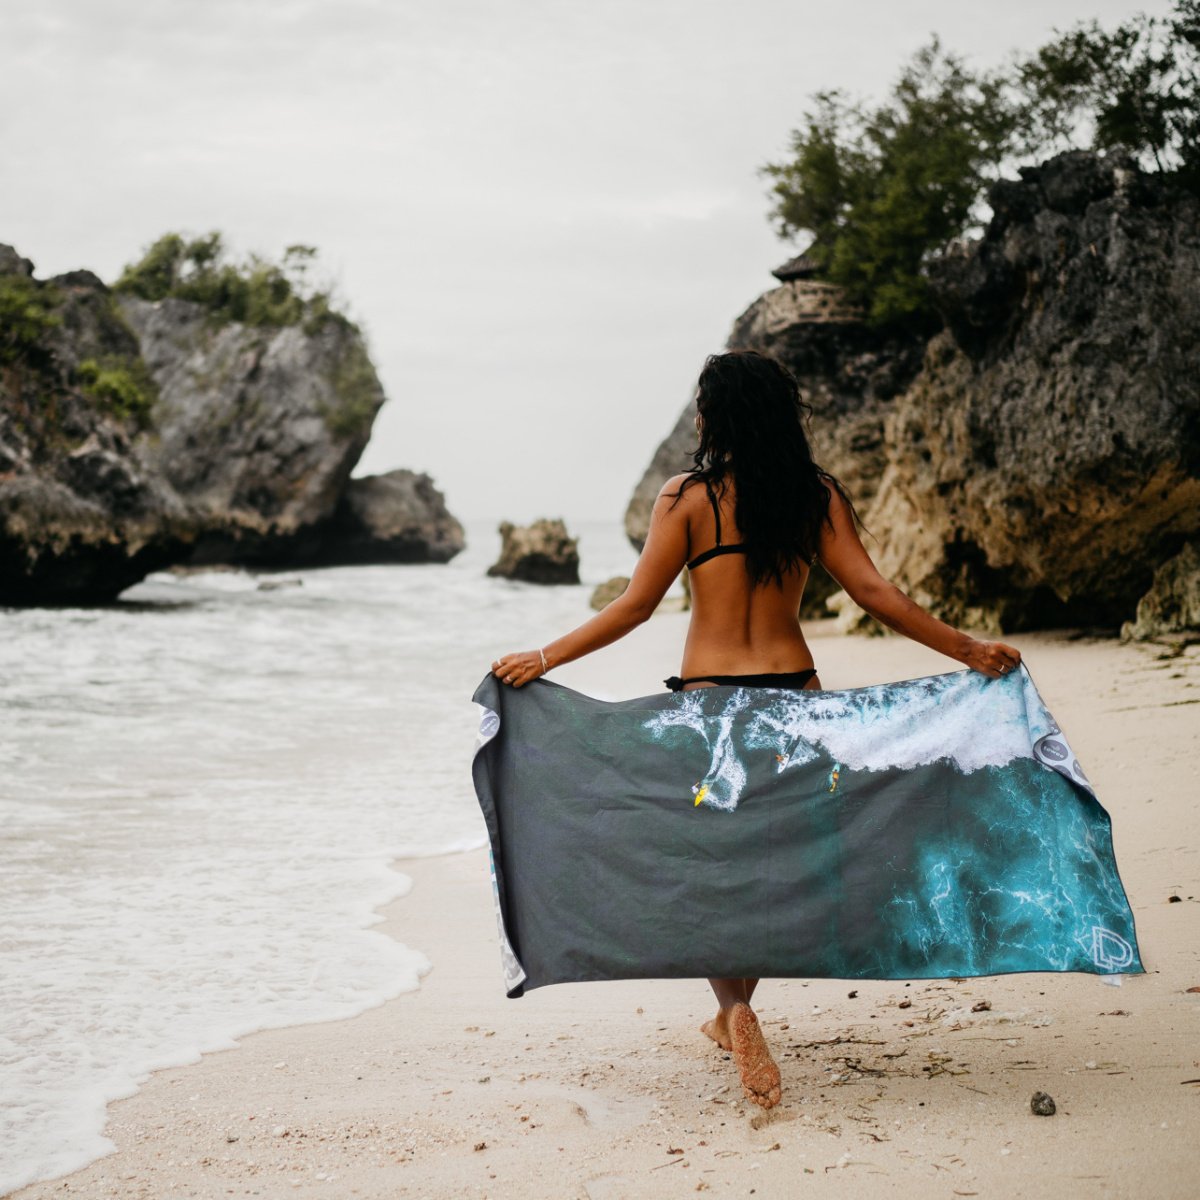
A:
x: 760, y: 1075
x: 718, y: 1029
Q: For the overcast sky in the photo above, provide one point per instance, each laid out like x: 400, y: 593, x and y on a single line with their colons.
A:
x: 545, y: 213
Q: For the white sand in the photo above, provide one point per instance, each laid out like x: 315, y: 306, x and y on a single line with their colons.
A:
x: 608, y: 1090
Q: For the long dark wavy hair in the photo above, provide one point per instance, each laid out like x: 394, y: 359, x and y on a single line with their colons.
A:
x: 752, y: 429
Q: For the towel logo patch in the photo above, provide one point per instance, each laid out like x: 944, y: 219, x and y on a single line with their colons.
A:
x: 1110, y: 951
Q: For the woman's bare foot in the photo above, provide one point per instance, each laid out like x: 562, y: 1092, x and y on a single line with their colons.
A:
x: 718, y: 1029
x: 760, y: 1075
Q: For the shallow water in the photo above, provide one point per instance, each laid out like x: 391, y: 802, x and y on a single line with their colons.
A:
x: 201, y: 790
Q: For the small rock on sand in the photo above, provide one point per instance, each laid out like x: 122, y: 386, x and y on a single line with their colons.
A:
x: 1042, y: 1105
x: 606, y: 592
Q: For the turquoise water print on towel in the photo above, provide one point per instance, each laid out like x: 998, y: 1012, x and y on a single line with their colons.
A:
x: 935, y: 827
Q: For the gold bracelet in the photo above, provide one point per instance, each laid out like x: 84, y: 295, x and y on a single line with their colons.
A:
x: 542, y: 656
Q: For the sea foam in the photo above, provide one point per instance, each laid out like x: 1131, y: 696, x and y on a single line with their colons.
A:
x: 203, y: 791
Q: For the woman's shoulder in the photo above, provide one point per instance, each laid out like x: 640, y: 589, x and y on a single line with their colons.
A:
x: 683, y: 477
x: 677, y: 496
x: 677, y: 485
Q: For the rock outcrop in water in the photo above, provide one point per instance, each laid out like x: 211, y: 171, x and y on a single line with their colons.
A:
x: 399, y: 517
x: 1036, y: 461
x: 82, y: 516
x: 539, y: 553
x: 136, y: 435
x: 256, y: 429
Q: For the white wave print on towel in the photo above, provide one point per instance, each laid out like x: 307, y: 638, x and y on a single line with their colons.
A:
x: 725, y: 779
x: 962, y: 716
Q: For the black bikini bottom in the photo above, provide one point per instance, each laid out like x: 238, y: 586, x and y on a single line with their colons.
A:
x: 781, y: 679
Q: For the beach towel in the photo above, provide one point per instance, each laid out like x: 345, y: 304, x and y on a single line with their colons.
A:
x: 938, y: 827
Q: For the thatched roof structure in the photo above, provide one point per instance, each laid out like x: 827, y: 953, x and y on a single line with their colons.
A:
x: 803, y: 266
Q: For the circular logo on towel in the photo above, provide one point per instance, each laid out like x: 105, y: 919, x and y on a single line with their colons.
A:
x: 1054, y: 750
x: 489, y: 723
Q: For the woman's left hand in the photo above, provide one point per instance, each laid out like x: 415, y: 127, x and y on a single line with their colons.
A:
x: 992, y: 659
x: 518, y: 668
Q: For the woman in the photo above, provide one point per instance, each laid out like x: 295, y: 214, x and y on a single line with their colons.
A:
x: 748, y: 522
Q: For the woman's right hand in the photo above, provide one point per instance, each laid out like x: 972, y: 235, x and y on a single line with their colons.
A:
x: 993, y: 659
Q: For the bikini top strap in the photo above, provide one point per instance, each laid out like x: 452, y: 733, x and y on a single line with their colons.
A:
x: 712, y: 499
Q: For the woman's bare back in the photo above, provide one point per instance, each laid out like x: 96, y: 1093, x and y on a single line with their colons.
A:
x: 737, y: 627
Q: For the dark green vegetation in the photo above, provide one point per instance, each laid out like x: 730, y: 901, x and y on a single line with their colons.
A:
x: 122, y: 385
x: 882, y: 189
x: 69, y: 337
x: 39, y: 325
x: 27, y: 315
x: 356, y: 387
x: 254, y: 292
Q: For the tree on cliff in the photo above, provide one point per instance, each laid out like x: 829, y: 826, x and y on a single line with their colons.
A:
x: 1135, y: 88
x: 882, y: 189
x: 879, y: 188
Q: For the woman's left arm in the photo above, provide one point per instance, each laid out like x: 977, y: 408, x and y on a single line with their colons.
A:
x: 843, y: 555
x: 658, y: 566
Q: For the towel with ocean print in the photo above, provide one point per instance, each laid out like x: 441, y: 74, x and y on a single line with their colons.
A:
x: 933, y: 828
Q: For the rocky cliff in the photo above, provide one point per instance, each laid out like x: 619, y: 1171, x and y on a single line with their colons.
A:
x: 1038, y: 459
x: 1047, y: 459
x: 257, y: 430
x: 81, y: 514
x: 137, y: 434
x: 399, y: 517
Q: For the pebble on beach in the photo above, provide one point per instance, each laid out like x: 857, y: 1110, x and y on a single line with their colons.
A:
x: 1042, y: 1105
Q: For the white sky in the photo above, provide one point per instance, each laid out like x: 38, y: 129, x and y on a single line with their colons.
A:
x: 545, y: 213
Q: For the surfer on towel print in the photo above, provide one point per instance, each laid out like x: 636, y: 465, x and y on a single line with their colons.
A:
x: 748, y: 521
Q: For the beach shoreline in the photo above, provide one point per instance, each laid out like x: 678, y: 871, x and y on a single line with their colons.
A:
x: 609, y: 1090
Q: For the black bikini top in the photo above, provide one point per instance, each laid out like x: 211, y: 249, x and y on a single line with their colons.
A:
x: 732, y: 548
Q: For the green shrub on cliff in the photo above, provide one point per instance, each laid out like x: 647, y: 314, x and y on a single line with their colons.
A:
x: 27, y: 315
x: 1134, y: 88
x: 254, y: 291
x: 882, y: 189
x: 122, y: 385
x: 356, y: 389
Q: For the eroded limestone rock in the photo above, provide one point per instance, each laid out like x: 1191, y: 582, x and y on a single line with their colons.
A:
x: 539, y: 553
x: 1172, y: 605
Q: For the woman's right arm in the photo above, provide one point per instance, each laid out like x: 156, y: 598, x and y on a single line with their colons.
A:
x: 845, y: 558
x: 658, y: 566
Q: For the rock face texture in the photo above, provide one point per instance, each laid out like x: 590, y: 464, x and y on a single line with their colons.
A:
x: 539, y: 553
x: 399, y: 517
x: 1036, y: 461
x: 81, y: 515
x: 849, y: 374
x: 137, y: 435
x: 256, y: 429
x: 1172, y: 606
x: 1047, y: 459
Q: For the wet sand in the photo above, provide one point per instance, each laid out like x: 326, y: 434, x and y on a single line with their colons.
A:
x: 609, y: 1090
